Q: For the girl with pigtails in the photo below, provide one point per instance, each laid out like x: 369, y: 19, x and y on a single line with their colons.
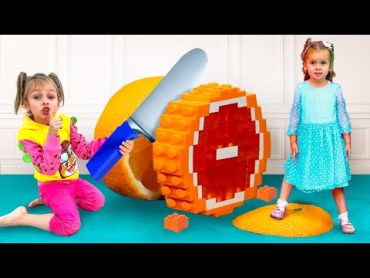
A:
x: 51, y: 140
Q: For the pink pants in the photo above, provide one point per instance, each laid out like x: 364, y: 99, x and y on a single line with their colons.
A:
x: 62, y: 197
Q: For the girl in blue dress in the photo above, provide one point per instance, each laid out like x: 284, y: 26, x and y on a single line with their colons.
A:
x: 320, y: 134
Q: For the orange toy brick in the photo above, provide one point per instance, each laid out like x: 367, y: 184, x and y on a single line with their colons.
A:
x: 176, y: 222
x: 211, y: 149
x: 266, y: 193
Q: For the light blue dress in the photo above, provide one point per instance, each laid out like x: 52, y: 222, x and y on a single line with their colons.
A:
x: 318, y: 117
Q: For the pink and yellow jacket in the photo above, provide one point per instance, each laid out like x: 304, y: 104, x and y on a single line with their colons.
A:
x: 53, y: 157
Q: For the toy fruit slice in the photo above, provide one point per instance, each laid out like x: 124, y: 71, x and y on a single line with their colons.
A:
x: 211, y: 149
x: 133, y: 175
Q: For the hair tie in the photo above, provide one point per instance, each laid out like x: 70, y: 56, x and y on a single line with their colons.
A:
x: 328, y: 44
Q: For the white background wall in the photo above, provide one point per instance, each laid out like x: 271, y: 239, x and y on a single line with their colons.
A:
x: 93, y: 68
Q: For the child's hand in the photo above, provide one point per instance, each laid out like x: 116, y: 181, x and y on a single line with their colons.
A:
x: 126, y: 147
x: 54, y: 124
x: 294, y: 148
x: 348, y: 151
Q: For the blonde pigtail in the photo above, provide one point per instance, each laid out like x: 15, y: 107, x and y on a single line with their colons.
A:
x: 21, y: 86
x: 57, y: 82
x: 305, y: 47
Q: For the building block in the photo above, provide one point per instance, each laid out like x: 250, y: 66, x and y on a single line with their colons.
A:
x: 266, y: 193
x: 176, y: 222
x: 250, y: 193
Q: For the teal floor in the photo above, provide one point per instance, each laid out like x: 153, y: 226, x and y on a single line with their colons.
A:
x: 126, y: 220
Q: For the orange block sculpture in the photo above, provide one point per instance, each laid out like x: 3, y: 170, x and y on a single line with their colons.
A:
x: 266, y: 193
x: 176, y: 222
x: 211, y: 149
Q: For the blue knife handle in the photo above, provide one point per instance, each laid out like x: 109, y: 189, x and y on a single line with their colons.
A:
x: 108, y: 154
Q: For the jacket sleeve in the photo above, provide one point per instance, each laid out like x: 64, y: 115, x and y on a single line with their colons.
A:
x: 46, y: 158
x: 80, y: 146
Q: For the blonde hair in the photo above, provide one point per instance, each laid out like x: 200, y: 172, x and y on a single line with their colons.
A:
x: 26, y: 83
x: 310, y: 46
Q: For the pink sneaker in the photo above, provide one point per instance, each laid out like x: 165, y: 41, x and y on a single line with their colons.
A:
x: 277, y: 213
x: 347, y: 228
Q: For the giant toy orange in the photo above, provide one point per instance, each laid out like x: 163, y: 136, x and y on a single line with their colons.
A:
x: 211, y: 148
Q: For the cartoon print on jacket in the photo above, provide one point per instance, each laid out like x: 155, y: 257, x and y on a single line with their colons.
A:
x: 68, y: 163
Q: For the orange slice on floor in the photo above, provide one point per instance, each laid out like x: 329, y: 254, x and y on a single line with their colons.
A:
x: 133, y: 175
x: 211, y: 148
x: 300, y: 221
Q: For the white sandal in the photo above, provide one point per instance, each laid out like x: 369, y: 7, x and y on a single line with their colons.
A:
x: 277, y: 213
x: 347, y: 228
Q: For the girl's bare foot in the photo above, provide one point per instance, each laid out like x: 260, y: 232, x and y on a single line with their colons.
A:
x: 11, y: 219
x: 36, y: 202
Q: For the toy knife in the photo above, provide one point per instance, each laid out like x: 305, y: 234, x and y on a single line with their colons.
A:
x: 183, y: 76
